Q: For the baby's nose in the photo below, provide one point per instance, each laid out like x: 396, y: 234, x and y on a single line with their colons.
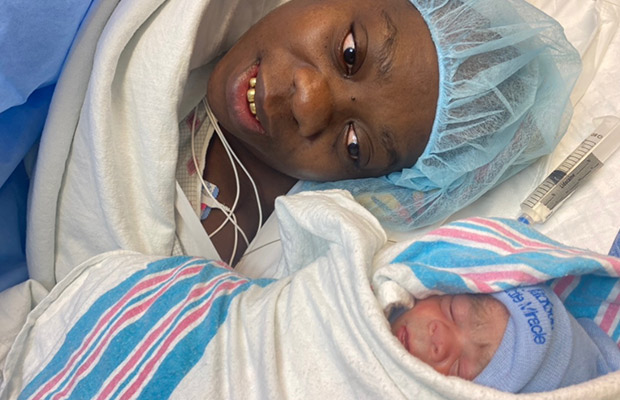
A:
x: 444, y: 342
x: 312, y: 101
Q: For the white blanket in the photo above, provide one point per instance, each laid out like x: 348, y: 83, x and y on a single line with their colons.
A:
x: 188, y: 328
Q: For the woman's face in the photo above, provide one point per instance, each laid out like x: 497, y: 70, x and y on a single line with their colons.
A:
x: 344, y: 88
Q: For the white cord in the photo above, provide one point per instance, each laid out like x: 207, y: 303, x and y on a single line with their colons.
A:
x: 229, y: 213
x: 230, y: 151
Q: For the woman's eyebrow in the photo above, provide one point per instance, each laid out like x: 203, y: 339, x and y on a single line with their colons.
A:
x: 385, y: 54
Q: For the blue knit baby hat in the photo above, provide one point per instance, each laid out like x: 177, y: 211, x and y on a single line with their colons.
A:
x: 543, y: 348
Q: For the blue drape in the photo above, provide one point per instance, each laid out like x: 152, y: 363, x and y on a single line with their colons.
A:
x: 35, y: 37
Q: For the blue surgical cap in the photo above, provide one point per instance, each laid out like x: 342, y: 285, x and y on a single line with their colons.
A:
x: 506, y: 71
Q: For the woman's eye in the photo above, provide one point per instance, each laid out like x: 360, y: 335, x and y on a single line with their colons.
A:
x: 349, y: 52
x: 353, y: 147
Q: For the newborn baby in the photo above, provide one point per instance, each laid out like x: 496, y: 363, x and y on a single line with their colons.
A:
x: 520, y: 340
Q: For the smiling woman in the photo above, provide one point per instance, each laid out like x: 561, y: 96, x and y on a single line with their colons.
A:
x: 322, y: 90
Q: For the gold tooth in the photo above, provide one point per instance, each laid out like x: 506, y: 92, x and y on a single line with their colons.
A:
x: 253, y: 108
x: 252, y: 82
x: 250, y: 94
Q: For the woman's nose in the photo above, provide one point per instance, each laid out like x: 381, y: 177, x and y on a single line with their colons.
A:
x: 312, y: 101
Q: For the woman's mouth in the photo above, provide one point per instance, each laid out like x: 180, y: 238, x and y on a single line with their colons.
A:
x: 242, y: 99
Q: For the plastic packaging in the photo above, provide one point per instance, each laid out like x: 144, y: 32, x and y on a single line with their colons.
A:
x: 578, y: 166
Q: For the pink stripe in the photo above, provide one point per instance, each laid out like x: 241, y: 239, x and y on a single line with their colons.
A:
x: 613, y: 261
x: 180, y: 329
x: 562, y: 285
x: 475, y: 237
x: 222, y: 264
x: 523, y: 240
x: 128, y: 314
x: 610, y: 314
x: 481, y: 237
x: 482, y: 279
x: 482, y: 287
x: 532, y: 243
x: 154, y: 335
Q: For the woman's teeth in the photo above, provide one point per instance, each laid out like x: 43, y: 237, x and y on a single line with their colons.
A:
x: 251, y: 93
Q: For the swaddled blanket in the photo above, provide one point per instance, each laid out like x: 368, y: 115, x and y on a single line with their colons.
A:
x: 190, y: 328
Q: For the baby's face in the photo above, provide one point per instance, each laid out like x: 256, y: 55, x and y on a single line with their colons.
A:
x: 456, y: 335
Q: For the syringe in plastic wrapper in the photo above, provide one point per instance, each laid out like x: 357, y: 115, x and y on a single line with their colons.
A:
x: 561, y: 183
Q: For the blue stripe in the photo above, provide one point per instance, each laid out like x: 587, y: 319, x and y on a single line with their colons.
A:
x: 525, y: 230
x: 89, y: 320
x: 191, y: 348
x: 432, y: 262
x: 105, y: 363
x: 586, y: 298
x: 615, y: 247
x: 153, y: 315
x: 125, y: 341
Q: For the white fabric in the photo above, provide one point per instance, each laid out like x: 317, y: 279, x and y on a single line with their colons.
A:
x: 15, y: 304
x: 262, y: 255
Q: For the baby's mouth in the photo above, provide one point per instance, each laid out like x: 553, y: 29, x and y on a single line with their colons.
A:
x: 251, y: 95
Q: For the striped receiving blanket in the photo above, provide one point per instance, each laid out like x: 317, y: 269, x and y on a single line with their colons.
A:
x: 481, y: 255
x: 125, y: 325
x: 152, y: 326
